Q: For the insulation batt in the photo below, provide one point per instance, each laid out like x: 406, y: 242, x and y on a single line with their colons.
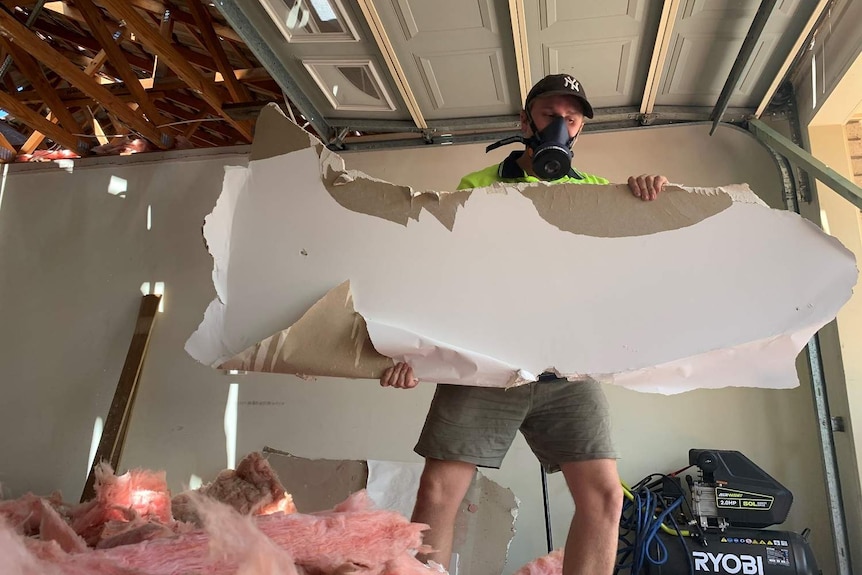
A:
x: 137, y: 506
x: 551, y: 564
x: 132, y: 529
x: 352, y: 538
x: 121, y: 501
x: 253, y: 488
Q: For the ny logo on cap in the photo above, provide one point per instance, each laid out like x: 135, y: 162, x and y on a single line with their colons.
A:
x: 572, y: 84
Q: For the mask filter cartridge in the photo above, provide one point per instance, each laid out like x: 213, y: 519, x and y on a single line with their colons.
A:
x: 552, y: 154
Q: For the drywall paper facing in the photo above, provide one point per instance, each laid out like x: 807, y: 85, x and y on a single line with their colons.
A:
x: 330, y: 339
x: 575, y: 212
x: 700, y: 288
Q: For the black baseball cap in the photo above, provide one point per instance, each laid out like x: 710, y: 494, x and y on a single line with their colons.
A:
x: 559, y: 85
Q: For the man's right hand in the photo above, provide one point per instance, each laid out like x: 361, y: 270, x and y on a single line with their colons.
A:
x: 399, y: 375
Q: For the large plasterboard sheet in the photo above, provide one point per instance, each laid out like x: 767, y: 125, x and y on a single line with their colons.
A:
x: 494, y: 286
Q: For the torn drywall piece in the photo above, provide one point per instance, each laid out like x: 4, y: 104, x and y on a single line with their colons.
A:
x: 711, y: 290
x: 488, y: 515
x: 329, y: 339
x: 373, y: 197
x: 393, y: 485
x: 317, y: 484
x: 484, y: 526
x: 269, y: 143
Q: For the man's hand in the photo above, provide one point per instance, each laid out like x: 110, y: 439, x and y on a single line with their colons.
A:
x: 399, y: 375
x: 647, y: 187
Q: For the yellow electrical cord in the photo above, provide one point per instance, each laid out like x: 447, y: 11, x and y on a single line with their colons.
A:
x: 669, y: 530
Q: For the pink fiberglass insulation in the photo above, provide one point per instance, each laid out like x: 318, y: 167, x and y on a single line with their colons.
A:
x: 321, y: 542
x: 123, y: 498
x: 548, y: 565
x: 24, y: 556
x: 252, y: 489
x: 116, y: 533
x: 52, y: 527
x: 24, y: 513
x: 146, y: 492
x: 353, y: 538
x: 235, y: 538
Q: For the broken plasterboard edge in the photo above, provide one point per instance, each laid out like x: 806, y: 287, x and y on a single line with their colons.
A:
x: 739, y: 193
x: 219, y: 224
x: 206, y: 344
x: 288, y: 137
x: 373, y: 196
x: 670, y: 378
x: 317, y: 484
x: 217, y: 230
x: 351, y: 188
x: 504, y: 503
x: 484, y: 525
x: 364, y: 194
x: 330, y: 339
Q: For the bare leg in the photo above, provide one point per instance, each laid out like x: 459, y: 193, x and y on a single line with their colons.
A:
x: 591, y: 546
x: 441, y: 489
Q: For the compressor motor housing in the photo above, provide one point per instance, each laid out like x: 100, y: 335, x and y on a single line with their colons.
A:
x: 726, y: 511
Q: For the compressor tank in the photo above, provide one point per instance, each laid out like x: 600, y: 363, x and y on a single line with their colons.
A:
x: 738, y: 552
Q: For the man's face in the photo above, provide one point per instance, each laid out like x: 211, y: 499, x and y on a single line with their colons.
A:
x: 544, y: 108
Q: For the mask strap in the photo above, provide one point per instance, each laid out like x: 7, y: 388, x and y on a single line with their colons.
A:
x: 532, y: 125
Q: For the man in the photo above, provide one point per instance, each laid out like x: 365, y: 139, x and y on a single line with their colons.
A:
x: 566, y: 423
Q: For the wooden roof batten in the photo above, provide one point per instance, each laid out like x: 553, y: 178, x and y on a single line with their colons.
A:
x: 115, y: 66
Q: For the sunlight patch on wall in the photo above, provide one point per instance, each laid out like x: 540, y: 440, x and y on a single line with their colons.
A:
x: 3, y: 183
x: 117, y: 186
x: 813, y: 76
x: 155, y: 288
x: 67, y: 164
x: 159, y: 289
x: 230, y: 424
x: 98, y: 425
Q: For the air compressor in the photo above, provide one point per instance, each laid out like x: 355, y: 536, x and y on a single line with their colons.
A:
x: 715, y: 523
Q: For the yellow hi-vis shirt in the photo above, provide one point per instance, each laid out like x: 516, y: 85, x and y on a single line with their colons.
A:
x: 509, y: 171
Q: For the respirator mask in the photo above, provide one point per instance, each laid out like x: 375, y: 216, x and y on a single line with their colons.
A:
x: 552, y: 149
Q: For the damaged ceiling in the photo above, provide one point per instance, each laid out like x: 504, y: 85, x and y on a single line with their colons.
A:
x: 90, y: 77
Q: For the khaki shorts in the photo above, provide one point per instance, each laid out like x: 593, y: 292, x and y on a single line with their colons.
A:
x: 562, y: 421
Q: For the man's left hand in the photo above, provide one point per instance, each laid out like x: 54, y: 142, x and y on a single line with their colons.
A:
x: 647, y: 187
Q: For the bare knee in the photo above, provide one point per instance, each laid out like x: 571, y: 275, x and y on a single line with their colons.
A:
x: 596, y: 489
x: 601, y: 501
x: 444, y: 483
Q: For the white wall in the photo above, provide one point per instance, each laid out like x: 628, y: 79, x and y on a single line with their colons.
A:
x: 72, y: 259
